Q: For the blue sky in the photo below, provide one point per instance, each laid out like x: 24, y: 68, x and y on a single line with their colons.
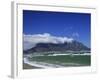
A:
x: 74, y: 25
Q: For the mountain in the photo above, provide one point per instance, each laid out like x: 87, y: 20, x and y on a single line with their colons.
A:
x: 67, y: 46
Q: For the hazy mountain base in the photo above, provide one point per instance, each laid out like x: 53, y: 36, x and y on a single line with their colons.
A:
x: 48, y: 47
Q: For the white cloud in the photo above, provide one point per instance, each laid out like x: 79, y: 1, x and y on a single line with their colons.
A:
x: 31, y: 40
x: 75, y: 34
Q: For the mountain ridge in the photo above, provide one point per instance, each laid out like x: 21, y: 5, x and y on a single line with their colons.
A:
x: 66, y: 46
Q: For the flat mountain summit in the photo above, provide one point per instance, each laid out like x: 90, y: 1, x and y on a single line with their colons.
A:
x: 66, y: 46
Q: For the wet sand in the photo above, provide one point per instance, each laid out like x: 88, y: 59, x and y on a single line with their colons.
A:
x: 27, y: 66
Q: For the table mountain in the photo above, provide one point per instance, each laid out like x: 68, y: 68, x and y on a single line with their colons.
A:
x: 46, y: 47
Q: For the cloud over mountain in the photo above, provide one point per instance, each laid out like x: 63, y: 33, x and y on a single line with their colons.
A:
x: 75, y: 34
x: 31, y: 40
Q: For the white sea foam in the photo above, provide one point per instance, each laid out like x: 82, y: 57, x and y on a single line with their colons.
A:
x: 41, y: 64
